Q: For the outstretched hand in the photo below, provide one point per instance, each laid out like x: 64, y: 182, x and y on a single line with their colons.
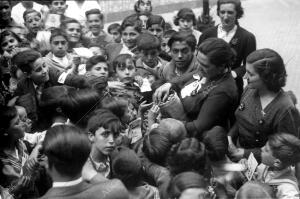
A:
x: 161, y: 94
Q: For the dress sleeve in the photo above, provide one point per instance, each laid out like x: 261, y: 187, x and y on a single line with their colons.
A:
x: 290, y: 122
x: 212, y: 111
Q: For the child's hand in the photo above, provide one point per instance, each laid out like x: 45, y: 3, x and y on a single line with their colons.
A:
x: 76, y: 60
x: 143, y: 108
x: 153, y: 113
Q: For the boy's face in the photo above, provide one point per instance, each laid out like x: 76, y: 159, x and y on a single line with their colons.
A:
x: 99, y: 70
x: 58, y: 7
x: 73, y: 31
x: 126, y: 72
x: 103, y: 140
x: 40, y: 71
x: 59, y: 46
x: 5, y: 10
x: 150, y: 57
x: 94, y: 23
x: 33, y: 22
x: 267, y: 157
x: 24, y: 119
x: 164, y: 44
x: 156, y: 30
x: 116, y: 35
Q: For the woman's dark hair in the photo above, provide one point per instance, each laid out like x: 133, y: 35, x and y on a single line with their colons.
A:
x: 238, y: 7
x: 67, y: 149
x: 6, y: 33
x: 132, y: 21
x: 185, y: 13
x: 270, y: 67
x: 216, y: 143
x: 218, y: 51
x: 155, y: 19
x: 127, y: 167
x: 183, y: 181
x: 78, y: 104
x: 156, y: 146
x: 95, y: 60
x: 106, y: 119
x: 24, y: 59
x: 183, y: 37
x: 58, y: 32
x: 188, y: 155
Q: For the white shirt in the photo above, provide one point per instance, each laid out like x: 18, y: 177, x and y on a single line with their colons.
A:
x: 195, y: 86
x: 78, y: 13
x: 67, y: 184
x: 226, y: 36
x: 63, y: 61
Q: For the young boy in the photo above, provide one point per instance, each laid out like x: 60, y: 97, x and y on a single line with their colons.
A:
x: 95, y: 23
x: 56, y: 13
x: 36, y: 35
x: 39, y: 76
x: 149, y: 62
x: 278, y: 155
x: 115, y: 30
x: 59, y: 57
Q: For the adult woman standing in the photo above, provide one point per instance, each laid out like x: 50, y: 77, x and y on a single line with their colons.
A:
x: 264, y: 108
x: 210, y: 97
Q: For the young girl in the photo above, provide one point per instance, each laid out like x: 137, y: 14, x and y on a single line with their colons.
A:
x: 17, y: 166
x: 156, y: 25
x: 186, y: 20
x: 10, y: 75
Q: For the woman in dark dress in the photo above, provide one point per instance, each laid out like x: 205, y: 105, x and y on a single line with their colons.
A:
x: 210, y: 97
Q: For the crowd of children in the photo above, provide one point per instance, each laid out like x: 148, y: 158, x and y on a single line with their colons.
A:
x: 141, y: 110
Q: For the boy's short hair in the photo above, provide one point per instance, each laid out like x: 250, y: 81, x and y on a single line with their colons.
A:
x: 183, y: 37
x: 94, y: 60
x: 106, y: 119
x: 156, y: 145
x: 58, y: 32
x: 67, y: 149
x: 94, y: 11
x: 114, y: 26
x: 147, y: 41
x: 64, y: 23
x: 285, y: 147
x: 29, y: 11
x: 134, y: 21
x: 24, y: 59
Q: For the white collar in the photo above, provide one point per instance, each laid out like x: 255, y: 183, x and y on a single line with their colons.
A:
x: 67, y: 184
x: 227, y: 36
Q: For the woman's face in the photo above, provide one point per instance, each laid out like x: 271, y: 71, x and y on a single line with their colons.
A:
x: 145, y: 6
x: 227, y: 14
x: 207, y: 69
x: 129, y: 36
x: 252, y: 77
x: 16, y: 128
x: 73, y: 31
x: 9, y: 43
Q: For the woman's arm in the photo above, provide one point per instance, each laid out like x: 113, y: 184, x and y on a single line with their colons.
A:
x: 214, y: 109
